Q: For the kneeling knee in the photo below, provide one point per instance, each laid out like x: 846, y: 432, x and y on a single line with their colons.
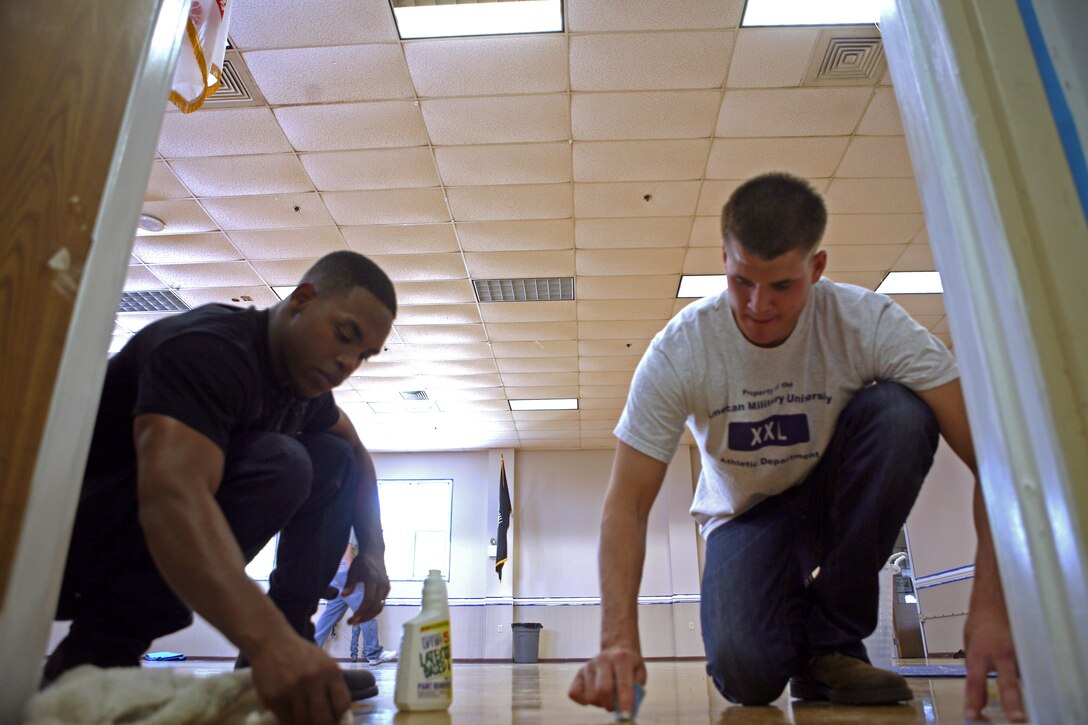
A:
x: 750, y: 682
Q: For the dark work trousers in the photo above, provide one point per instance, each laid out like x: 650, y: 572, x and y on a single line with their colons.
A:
x: 763, y: 614
x: 302, y: 486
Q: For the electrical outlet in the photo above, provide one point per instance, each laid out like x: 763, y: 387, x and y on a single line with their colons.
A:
x: 691, y: 626
x: 500, y: 629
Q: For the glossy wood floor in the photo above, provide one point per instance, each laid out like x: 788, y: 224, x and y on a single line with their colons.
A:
x: 677, y: 692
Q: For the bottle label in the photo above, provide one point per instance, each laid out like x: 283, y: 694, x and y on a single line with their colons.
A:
x: 435, y: 662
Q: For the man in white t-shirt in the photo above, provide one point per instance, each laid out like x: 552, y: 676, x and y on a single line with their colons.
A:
x: 817, y: 408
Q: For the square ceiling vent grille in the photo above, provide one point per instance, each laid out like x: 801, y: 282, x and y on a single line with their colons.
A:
x: 158, y: 300
x: 538, y: 289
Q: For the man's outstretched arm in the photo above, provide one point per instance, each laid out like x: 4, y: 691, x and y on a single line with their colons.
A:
x: 987, y: 635
x: 192, y: 544
x: 608, y: 679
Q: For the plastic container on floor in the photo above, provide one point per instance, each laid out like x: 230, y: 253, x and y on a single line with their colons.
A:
x: 526, y: 641
x: 425, y: 669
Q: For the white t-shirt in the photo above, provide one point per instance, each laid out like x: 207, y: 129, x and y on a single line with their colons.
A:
x: 763, y: 416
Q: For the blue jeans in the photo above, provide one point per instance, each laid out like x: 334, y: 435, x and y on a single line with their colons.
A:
x: 335, y: 610
x: 763, y: 614
x: 301, y: 486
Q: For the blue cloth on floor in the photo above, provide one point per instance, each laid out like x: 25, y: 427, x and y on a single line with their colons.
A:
x: 163, y: 656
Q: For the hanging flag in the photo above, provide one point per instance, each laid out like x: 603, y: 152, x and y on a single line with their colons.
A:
x: 504, y: 519
x: 202, y: 51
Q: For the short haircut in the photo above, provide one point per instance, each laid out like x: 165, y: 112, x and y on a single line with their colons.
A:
x: 774, y: 213
x: 338, y: 272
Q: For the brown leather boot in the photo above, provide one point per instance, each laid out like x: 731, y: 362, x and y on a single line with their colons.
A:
x: 849, y: 681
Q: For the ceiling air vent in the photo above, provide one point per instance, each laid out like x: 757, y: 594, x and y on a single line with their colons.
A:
x: 158, y: 300
x: 237, y: 89
x: 539, y: 289
x: 847, y: 57
x: 414, y: 395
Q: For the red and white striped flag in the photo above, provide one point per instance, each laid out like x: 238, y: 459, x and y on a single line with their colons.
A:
x: 201, y: 61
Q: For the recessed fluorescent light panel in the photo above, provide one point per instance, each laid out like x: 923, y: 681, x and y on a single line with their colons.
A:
x: 911, y: 283
x: 545, y: 404
x: 810, y: 12
x: 701, y: 285
x: 284, y: 292
x: 435, y: 19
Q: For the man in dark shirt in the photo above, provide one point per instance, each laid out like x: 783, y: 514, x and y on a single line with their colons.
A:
x: 216, y: 430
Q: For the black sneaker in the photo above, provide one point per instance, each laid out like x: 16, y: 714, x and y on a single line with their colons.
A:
x: 848, y: 681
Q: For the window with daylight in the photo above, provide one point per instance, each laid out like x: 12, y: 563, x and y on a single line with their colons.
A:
x: 416, y: 524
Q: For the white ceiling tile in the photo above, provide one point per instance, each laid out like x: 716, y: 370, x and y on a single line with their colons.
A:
x: 618, y: 15
x: 882, y: 117
x: 331, y: 74
x: 649, y: 61
x: 243, y: 175
x: 872, y: 228
x: 139, y: 278
x: 435, y: 292
x: 546, y: 380
x: 163, y: 184
x: 916, y: 258
x: 591, y: 310
x: 771, y: 57
x: 551, y: 311
x: 531, y: 331
x: 623, y: 262
x: 490, y: 65
x: 289, y: 23
x: 646, y: 115
x: 627, y: 233
x: 303, y: 243
x: 680, y: 304
x: 501, y: 265
x: 280, y: 211
x: 181, y: 216
x: 671, y: 160
x: 379, y: 124
x: 922, y: 237
x: 877, y: 156
x: 589, y: 392
x: 371, y: 169
x: 282, y: 272
x: 517, y: 365
x: 712, y: 197
x: 520, y: 380
x: 516, y: 235
x: 212, y: 274
x: 221, y: 133
x: 667, y: 198
x: 542, y: 391
x: 743, y: 158
x: 873, y: 196
x: 624, y: 364
x: 535, y: 349
x: 510, y: 119
x: 613, y: 348
x: 793, y: 112
x: 626, y: 287
x: 862, y: 258
x: 437, y: 315
x: 387, y: 206
x: 605, y: 378
x: 704, y: 260
x: 259, y: 297
x: 185, y: 248
x: 441, y: 334
x: 941, y: 326
x: 422, y: 267
x: 401, y: 239
x: 523, y: 201
x: 706, y: 231
x: 544, y: 163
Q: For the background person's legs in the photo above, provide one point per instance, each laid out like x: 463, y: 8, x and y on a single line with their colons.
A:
x: 112, y: 590
x: 372, y: 647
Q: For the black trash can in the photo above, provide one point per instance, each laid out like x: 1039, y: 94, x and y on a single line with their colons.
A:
x: 526, y: 641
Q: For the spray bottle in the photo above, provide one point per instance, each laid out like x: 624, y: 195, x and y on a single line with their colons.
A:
x: 424, y: 671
